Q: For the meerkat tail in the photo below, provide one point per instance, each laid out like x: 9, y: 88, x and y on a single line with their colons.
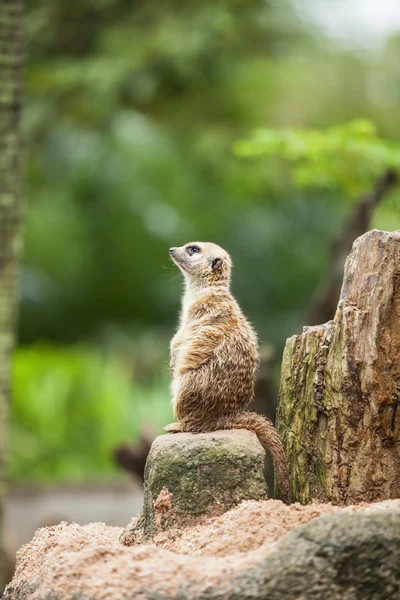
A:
x: 269, y: 437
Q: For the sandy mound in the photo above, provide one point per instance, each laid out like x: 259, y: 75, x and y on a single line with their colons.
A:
x: 90, y: 562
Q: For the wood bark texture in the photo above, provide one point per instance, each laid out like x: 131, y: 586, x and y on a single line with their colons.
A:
x: 11, y: 60
x: 339, y: 395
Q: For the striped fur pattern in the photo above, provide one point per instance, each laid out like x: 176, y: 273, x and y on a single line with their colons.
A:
x: 214, y: 355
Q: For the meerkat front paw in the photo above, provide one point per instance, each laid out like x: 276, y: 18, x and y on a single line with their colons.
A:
x: 173, y: 428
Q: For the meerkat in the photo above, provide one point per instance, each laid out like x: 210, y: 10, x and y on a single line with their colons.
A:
x: 214, y: 356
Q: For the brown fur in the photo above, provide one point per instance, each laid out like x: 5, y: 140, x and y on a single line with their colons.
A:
x: 214, y: 356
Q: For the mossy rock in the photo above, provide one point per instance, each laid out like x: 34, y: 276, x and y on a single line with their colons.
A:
x: 189, y: 475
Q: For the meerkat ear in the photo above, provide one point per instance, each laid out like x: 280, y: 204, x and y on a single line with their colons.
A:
x: 216, y: 263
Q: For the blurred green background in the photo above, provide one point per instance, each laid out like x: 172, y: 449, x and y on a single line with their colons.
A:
x: 133, y: 111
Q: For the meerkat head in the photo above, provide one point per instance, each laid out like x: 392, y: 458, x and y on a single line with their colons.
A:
x: 203, y: 263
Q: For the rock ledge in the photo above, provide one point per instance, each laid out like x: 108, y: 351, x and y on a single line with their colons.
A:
x: 352, y: 553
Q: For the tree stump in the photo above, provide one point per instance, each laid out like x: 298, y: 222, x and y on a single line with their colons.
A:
x: 189, y: 475
x: 340, y: 386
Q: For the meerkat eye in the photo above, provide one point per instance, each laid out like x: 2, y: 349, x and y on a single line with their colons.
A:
x: 192, y: 250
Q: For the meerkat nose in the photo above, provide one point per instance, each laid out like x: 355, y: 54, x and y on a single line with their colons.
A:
x: 171, y: 250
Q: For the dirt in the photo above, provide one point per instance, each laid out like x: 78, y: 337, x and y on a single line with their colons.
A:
x: 90, y: 560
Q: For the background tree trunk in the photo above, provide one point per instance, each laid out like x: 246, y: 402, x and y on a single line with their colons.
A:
x: 340, y: 386
x: 11, y: 59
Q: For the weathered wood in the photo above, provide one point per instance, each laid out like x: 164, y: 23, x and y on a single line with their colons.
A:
x: 340, y: 386
x: 11, y: 59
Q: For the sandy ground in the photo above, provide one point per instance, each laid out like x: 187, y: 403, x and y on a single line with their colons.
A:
x: 71, y: 559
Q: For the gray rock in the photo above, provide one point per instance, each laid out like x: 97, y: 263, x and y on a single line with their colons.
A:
x: 189, y: 475
x: 353, y: 556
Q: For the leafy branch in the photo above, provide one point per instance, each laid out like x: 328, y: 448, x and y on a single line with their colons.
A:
x: 350, y: 157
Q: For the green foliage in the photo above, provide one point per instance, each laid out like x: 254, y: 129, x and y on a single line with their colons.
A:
x: 348, y: 157
x: 71, y: 408
x: 131, y: 112
x: 130, y: 115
